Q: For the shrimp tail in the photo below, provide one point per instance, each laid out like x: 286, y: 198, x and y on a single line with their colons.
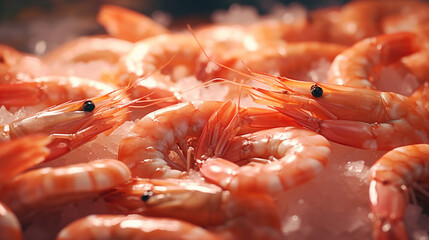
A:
x: 21, y: 154
x: 19, y: 94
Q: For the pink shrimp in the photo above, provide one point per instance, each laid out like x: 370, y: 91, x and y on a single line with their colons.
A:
x: 279, y: 157
x: 131, y: 227
x: 9, y: 224
x: 239, y: 216
x: 72, y: 124
x: 363, y: 19
x: 21, y: 154
x: 161, y: 143
x: 421, y: 95
x: 126, y: 24
x: 51, y: 90
x: 360, y: 65
x: 38, y: 190
x: 352, y: 116
x: 391, y: 179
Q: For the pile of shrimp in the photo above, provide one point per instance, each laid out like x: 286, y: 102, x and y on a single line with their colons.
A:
x: 314, y: 126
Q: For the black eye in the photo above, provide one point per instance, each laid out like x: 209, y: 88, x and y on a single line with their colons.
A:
x: 146, y: 195
x: 316, y: 90
x: 88, y: 106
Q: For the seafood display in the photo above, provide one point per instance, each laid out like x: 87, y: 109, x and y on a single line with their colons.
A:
x: 296, y: 124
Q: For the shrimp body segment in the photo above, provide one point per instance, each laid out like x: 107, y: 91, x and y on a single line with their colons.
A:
x: 40, y: 189
x: 352, y: 116
x: 391, y: 178
x: 9, y: 224
x: 200, y: 203
x: 105, y: 227
x: 360, y: 65
x: 289, y: 157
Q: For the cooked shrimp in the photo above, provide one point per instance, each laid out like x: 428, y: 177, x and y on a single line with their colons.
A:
x: 127, y: 24
x: 51, y: 90
x: 40, y: 189
x: 391, y: 179
x: 285, y: 59
x: 9, y: 224
x: 160, y: 144
x: 73, y: 123
x: 279, y: 158
x: 15, y: 65
x: 21, y: 154
x: 421, y: 95
x: 360, y: 65
x: 352, y: 116
x: 99, y: 227
x: 240, y: 216
x: 363, y: 19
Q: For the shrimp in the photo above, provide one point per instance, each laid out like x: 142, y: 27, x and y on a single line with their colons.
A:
x: 127, y: 24
x: 286, y: 59
x: 39, y: 190
x: 21, y: 154
x: 9, y: 224
x: 351, y: 116
x: 51, y: 90
x: 356, y: 26
x: 421, y: 95
x: 131, y: 227
x: 360, y: 65
x: 391, y: 178
x: 17, y: 66
x: 160, y: 144
x: 239, y: 216
x: 72, y: 124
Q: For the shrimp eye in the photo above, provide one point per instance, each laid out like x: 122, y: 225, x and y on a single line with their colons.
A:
x: 146, y: 195
x: 88, y: 106
x: 316, y: 90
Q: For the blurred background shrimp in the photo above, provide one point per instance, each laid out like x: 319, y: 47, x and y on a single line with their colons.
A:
x: 133, y: 226
x: 226, y: 214
x: 10, y: 227
x: 400, y: 173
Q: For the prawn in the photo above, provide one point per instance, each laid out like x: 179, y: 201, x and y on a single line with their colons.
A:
x: 359, y: 65
x: 131, y: 227
x: 356, y: 26
x: 279, y: 157
x: 160, y: 144
x: 126, y: 24
x: 39, y: 190
x: 72, y: 124
x: 392, y: 178
x: 9, y: 224
x: 51, y: 90
x: 18, y: 66
x: 240, y: 216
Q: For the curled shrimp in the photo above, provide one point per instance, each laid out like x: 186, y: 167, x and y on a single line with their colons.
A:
x: 360, y: 65
x: 17, y: 66
x: 131, y: 227
x: 240, y: 216
x: 9, y: 224
x: 160, y: 144
x: 51, y: 90
x: 267, y: 161
x: 391, y: 179
x: 38, y: 190
x: 21, y: 154
x: 72, y: 124
x: 356, y: 26
x: 126, y: 24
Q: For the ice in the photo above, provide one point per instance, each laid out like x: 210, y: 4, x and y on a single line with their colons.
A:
x: 236, y: 14
x: 216, y: 92
x: 319, y: 71
x: 394, y: 80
